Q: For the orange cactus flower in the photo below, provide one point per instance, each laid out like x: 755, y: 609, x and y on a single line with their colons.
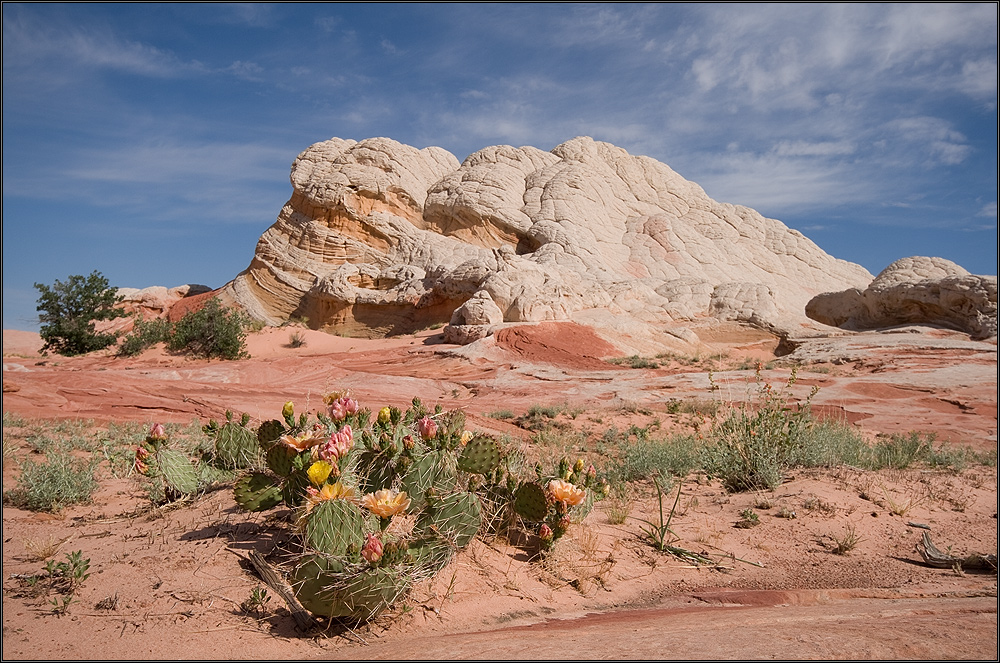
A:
x: 386, y: 503
x: 565, y: 492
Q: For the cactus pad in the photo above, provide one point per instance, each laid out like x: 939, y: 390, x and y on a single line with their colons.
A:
x: 313, y: 581
x: 434, y: 471
x: 268, y: 432
x: 530, y: 502
x: 178, y: 472
x: 236, y: 447
x: 456, y: 517
x: 366, y: 594
x: 257, y: 492
x: 280, y: 459
x: 335, y: 527
x: 481, y: 455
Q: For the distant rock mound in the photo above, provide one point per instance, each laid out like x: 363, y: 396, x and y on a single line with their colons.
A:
x: 381, y: 238
x: 916, y: 290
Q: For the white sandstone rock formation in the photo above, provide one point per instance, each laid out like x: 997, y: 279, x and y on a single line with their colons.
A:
x: 381, y: 238
x: 913, y: 290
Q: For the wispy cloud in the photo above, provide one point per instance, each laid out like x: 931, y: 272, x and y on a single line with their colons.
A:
x: 29, y: 45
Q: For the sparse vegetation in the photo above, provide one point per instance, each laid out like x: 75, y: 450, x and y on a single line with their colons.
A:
x: 634, y: 361
x: 60, y: 481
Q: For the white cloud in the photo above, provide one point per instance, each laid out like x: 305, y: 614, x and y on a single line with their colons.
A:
x: 988, y: 210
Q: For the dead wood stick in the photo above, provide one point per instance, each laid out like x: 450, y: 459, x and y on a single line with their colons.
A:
x: 278, y: 584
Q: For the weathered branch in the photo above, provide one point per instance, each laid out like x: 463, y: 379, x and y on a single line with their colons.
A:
x: 274, y: 580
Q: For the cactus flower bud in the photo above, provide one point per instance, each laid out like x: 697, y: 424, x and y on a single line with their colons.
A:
x: 427, y: 428
x: 409, y: 443
x: 372, y: 552
x: 545, y: 532
x: 578, y: 466
x: 591, y: 475
x: 157, y: 432
x: 288, y: 410
x: 384, y: 415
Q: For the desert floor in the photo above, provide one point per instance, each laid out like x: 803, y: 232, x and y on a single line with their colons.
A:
x: 168, y: 582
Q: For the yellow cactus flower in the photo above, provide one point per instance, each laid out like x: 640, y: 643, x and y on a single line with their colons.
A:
x: 288, y: 410
x: 466, y: 436
x: 330, y: 491
x: 386, y: 503
x: 319, y: 472
x: 565, y: 492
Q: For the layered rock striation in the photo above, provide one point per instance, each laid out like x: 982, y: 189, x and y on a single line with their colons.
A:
x: 915, y: 290
x: 381, y: 238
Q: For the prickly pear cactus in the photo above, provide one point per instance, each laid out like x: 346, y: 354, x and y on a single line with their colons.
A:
x: 366, y: 594
x: 314, y: 581
x: 530, y: 502
x: 257, y: 492
x: 178, y: 472
x: 236, y: 447
x: 294, y: 489
x: 280, y: 459
x: 433, y: 472
x: 456, y: 517
x: 481, y: 455
x: 269, y: 432
x: 335, y: 527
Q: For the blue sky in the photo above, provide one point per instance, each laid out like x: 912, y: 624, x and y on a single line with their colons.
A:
x: 153, y: 142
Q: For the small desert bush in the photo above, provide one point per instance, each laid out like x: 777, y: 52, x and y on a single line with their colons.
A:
x: 211, y: 331
x: 296, y: 340
x: 144, y: 335
x: 60, y: 481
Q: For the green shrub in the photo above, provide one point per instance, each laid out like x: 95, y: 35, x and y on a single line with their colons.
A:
x: 756, y: 444
x: 50, y: 486
x: 69, y: 310
x: 212, y: 331
x: 144, y: 335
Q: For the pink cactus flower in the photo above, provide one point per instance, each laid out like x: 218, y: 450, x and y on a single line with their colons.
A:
x: 158, y: 432
x: 427, y: 428
x: 372, y: 552
x: 545, y: 532
x: 338, y: 445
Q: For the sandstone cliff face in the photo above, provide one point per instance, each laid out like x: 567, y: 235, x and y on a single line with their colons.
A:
x: 381, y: 238
x: 915, y: 290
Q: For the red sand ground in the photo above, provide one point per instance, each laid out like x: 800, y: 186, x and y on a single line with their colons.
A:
x: 178, y: 575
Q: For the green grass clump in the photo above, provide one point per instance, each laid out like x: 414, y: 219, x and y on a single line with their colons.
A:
x: 677, y: 455
x: 500, y: 414
x: 59, y: 482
